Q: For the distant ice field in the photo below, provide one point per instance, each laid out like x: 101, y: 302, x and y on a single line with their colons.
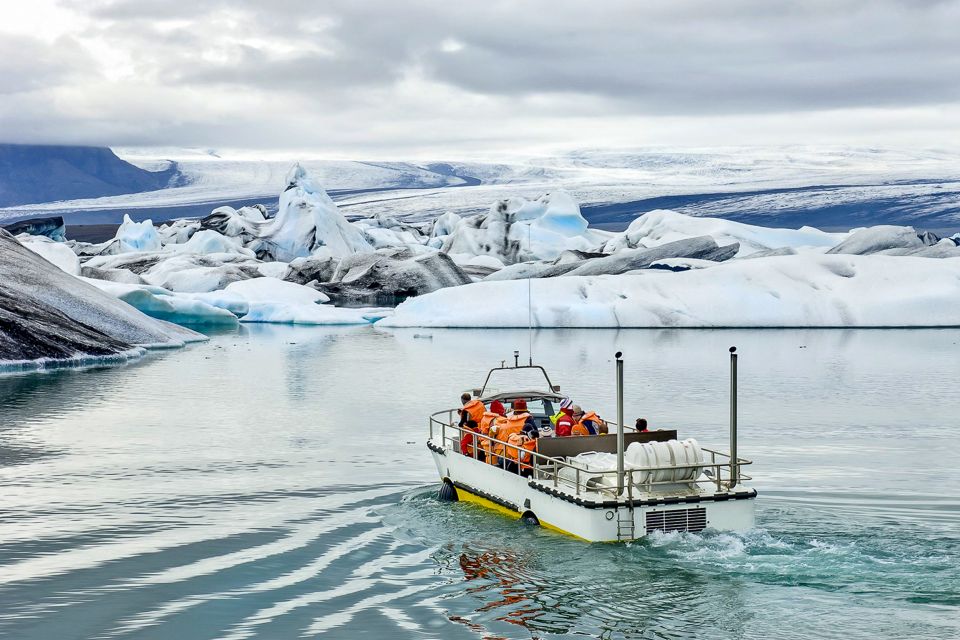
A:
x: 831, y: 188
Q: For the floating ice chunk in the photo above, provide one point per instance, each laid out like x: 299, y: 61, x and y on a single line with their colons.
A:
x: 192, y: 273
x: 445, y: 224
x: 137, y: 236
x: 879, y: 238
x: 561, y: 215
x: 663, y: 225
x: 66, y: 318
x: 516, y: 230
x: 306, y: 221
x: 208, y: 241
x: 273, y: 290
x: 806, y: 290
x: 273, y: 269
x: 158, y: 302
x: 56, y: 252
x: 178, y: 231
x: 311, y: 314
x: 389, y: 275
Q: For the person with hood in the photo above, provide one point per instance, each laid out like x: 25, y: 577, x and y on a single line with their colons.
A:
x: 564, y: 424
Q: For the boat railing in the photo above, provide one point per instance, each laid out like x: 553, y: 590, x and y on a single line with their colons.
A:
x: 570, y: 476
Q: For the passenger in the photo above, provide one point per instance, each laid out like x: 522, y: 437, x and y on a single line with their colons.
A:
x: 472, y: 409
x: 559, y: 413
x: 488, y: 421
x: 517, y: 423
x: 565, y: 422
x: 468, y: 440
x: 602, y: 430
x: 586, y: 424
x: 641, y: 425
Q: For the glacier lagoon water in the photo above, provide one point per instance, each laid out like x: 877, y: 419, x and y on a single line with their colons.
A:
x: 274, y: 483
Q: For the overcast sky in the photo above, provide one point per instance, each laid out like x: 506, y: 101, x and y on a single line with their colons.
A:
x: 397, y: 78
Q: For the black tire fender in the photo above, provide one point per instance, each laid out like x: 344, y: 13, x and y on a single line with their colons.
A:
x: 448, y: 492
x: 530, y: 518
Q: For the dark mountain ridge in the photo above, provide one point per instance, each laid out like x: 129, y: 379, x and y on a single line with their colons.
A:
x: 46, y: 173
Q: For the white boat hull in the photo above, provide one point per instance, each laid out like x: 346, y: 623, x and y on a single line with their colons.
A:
x: 589, y: 517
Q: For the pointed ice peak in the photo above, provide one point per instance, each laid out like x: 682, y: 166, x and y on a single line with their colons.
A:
x: 296, y: 176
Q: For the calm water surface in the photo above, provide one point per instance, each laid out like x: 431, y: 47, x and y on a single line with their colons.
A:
x: 274, y: 483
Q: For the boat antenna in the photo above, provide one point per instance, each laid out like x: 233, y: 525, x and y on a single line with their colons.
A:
x: 530, y: 298
x: 619, y: 357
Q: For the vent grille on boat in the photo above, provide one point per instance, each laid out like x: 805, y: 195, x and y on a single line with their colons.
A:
x: 692, y: 520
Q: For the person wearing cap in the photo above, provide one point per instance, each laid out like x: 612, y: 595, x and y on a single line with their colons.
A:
x: 564, y: 424
x: 585, y: 424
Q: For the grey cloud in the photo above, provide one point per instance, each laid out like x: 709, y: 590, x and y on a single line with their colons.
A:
x: 28, y: 64
x: 325, y: 65
x: 659, y: 56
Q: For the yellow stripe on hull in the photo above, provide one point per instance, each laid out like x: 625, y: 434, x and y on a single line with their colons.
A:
x: 466, y: 496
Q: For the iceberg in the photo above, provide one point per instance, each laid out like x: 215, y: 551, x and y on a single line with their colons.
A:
x: 663, y: 225
x: 163, y: 304
x: 880, y: 238
x: 312, y: 314
x: 308, y: 220
x: 389, y: 275
x: 137, y: 236
x: 56, y: 252
x: 518, y: 230
x: 50, y: 316
x: 806, y: 290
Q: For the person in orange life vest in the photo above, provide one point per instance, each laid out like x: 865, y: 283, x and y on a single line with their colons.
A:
x: 473, y: 409
x: 641, y: 425
x: 522, y: 428
x: 565, y: 422
x: 587, y: 424
x: 488, y: 420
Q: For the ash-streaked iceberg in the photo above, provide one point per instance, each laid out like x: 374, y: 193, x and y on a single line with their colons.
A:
x: 50, y: 316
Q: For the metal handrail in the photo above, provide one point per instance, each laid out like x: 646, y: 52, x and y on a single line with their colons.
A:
x: 554, y: 464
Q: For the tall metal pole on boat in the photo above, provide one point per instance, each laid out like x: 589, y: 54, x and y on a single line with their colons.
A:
x: 734, y: 467
x: 530, y: 299
x: 619, y: 423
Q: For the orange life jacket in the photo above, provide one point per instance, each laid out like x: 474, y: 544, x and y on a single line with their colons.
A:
x: 475, y: 410
x: 493, y: 430
x: 580, y: 429
x: 487, y: 421
x: 512, y: 424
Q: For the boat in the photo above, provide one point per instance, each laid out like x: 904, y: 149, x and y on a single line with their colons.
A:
x: 569, y: 484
